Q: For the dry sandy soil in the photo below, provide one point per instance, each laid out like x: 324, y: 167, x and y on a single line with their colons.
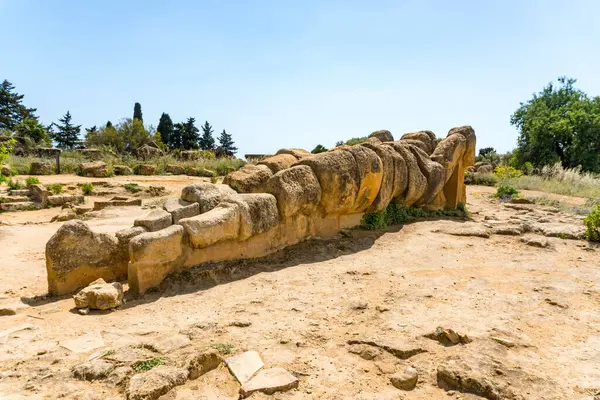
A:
x: 532, y: 314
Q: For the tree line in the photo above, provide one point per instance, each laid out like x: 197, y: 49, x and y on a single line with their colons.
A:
x: 21, y: 123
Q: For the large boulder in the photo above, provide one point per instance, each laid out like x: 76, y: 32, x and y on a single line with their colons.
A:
x: 279, y: 162
x: 95, y: 169
x: 296, y: 189
x: 100, y: 295
x: 76, y: 256
x: 220, y: 223
x: 383, y: 135
x: 175, y: 169
x: 394, y: 178
x: 298, y: 153
x: 425, y: 140
x: 249, y: 179
x: 153, y: 255
x: 339, y: 179
x: 370, y: 174
x: 258, y: 213
x: 155, y: 220
x: 6, y: 171
x: 122, y: 170
x: 145, y: 169
x: 417, y: 183
x: 206, y: 194
x: 41, y: 168
x: 179, y: 209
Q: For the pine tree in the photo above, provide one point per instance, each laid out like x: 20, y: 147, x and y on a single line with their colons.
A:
x: 67, y: 134
x: 190, y: 137
x: 137, y: 112
x: 93, y: 129
x: 176, y: 137
x: 226, y: 144
x: 207, y: 141
x: 165, y: 128
x: 109, y: 124
x: 12, y: 110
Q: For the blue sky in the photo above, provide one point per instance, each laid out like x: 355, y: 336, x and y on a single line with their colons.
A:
x: 279, y: 73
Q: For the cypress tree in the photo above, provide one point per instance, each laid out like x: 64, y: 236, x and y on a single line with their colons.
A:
x: 12, y: 110
x: 67, y: 134
x: 226, y: 144
x: 190, y: 136
x: 109, y: 124
x: 137, y: 112
x: 207, y: 141
x: 165, y: 128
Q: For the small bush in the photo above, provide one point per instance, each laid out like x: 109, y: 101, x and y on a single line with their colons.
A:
x: 147, y: 365
x: 55, y: 188
x: 32, y: 180
x: 478, y: 178
x: 223, y: 348
x: 3, y: 179
x: 207, y: 155
x: 213, y: 179
x: 504, y: 172
x: 592, y: 224
x: 527, y: 168
x: 395, y: 214
x: 14, y: 185
x: 87, y: 188
x: 506, y: 191
x: 132, y: 187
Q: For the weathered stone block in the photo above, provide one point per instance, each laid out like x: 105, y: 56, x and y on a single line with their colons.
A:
x: 96, y: 169
x: 296, y: 189
x: 155, y: 221
x: 279, y: 162
x: 181, y: 209
x: 207, y: 195
x: 249, y: 179
x: 220, y: 223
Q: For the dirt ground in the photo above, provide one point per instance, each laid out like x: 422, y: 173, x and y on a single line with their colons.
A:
x: 342, y: 314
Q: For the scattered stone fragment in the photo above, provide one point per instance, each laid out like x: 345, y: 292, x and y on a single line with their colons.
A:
x: 244, y: 365
x: 468, y: 229
x: 382, y: 308
x: 359, y: 305
x: 507, y: 229
x: 535, y: 241
x: 167, y: 343
x: 503, y: 341
x: 84, y: 343
x: 563, y: 231
x: 405, y: 380
x: 458, y: 376
x: 369, y: 353
x: 241, y: 324
x: 83, y: 311
x: 385, y: 367
x: 448, y: 337
x: 402, y: 350
x: 93, y: 371
x: 12, y: 308
x: 200, y: 363
x: 152, y: 384
x: 100, y: 295
x: 270, y: 381
x: 556, y: 303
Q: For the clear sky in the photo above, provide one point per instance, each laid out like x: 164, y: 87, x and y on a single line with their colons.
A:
x: 283, y: 73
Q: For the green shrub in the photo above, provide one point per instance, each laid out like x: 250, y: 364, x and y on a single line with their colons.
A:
x: 207, y: 155
x: 507, y: 172
x: 132, y: 187
x: 55, y: 188
x: 395, y: 214
x: 32, y: 180
x: 478, y: 178
x: 213, y: 179
x: 14, y: 185
x: 592, y: 223
x: 3, y: 179
x: 506, y: 191
x: 527, y: 168
x: 87, y: 188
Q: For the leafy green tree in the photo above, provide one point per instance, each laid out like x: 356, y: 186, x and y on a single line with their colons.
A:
x: 30, y: 133
x: 137, y: 112
x: 165, y: 128
x: 559, y: 124
x: 226, y: 145
x: 12, y: 110
x: 207, y: 141
x: 190, y: 137
x: 319, y: 149
x: 485, y: 151
x: 67, y: 134
x: 132, y: 134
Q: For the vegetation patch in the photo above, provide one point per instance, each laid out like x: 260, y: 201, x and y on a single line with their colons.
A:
x: 592, y: 224
x: 506, y: 192
x: 15, y: 185
x: 395, y: 214
x: 55, y: 188
x: 32, y: 180
x: 87, y: 188
x: 223, y: 348
x: 132, y: 187
x: 147, y: 365
x: 478, y: 178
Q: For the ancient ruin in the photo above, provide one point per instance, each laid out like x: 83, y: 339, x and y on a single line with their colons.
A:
x: 281, y: 201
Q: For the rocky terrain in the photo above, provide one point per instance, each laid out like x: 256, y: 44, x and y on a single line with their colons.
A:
x: 502, y: 306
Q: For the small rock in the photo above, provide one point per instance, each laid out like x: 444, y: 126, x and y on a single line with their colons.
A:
x: 521, y: 200
x: 556, y: 303
x: 241, y: 324
x: 382, y: 308
x: 386, y: 367
x: 504, y: 342
x: 369, y: 353
x: 536, y: 241
x: 120, y: 375
x: 405, y: 380
x: 200, y: 364
x: 100, y: 295
x: 244, y: 365
x: 93, y: 371
x: 359, y: 305
x: 270, y: 381
x: 83, y: 311
x: 12, y: 308
x: 152, y: 384
x: 167, y: 343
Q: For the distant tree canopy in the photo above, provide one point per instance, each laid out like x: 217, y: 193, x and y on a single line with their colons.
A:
x: 12, y: 110
x: 559, y: 124
x: 126, y: 137
x: 319, y: 149
x: 207, y: 141
x: 30, y: 133
x: 351, y: 142
x: 165, y: 128
x: 137, y: 112
x: 189, y: 135
x: 67, y: 134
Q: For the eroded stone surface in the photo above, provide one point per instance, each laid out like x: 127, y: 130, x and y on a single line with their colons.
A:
x: 152, y: 384
x: 269, y: 381
x: 243, y: 366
